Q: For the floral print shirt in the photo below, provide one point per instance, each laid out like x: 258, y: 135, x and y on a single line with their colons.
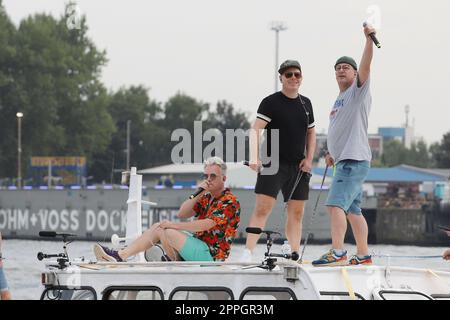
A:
x: 225, y: 212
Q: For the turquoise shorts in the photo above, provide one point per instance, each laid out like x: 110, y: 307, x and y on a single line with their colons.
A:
x: 195, y: 249
x: 346, y: 188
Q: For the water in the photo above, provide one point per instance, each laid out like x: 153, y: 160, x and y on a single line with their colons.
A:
x: 23, y: 269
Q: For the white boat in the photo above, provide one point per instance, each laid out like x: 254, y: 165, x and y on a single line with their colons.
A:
x: 274, y: 279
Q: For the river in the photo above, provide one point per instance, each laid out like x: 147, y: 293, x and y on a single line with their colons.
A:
x: 23, y: 269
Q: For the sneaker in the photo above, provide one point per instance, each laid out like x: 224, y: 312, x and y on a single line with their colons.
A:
x: 355, y: 260
x: 331, y: 259
x: 246, y: 256
x: 105, y: 254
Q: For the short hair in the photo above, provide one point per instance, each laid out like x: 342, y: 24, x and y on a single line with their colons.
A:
x: 218, y: 162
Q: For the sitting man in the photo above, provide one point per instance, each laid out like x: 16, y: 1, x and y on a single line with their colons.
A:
x: 206, y: 238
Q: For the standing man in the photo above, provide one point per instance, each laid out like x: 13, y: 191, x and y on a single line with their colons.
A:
x: 292, y: 115
x: 5, y: 294
x: 349, y: 152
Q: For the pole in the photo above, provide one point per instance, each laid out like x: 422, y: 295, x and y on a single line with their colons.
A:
x: 313, y: 215
x: 128, y: 144
x: 19, y: 149
x: 49, y: 181
x: 277, y: 34
x: 277, y: 26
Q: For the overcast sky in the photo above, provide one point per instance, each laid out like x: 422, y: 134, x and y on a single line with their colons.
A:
x: 215, y: 50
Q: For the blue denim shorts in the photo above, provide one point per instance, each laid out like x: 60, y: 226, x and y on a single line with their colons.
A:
x: 346, y: 188
x: 3, y: 283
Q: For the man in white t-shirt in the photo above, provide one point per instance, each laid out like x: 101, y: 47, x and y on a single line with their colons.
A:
x: 349, y: 152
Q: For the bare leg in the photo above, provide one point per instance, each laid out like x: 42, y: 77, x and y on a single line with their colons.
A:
x: 338, y: 227
x: 150, y: 237
x: 294, y: 224
x: 263, y: 208
x: 361, y: 233
x: 172, y: 241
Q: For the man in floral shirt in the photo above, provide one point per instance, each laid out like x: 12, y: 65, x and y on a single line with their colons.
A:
x: 206, y: 238
x: 223, y: 209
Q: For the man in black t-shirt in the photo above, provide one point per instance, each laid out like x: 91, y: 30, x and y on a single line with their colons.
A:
x: 292, y: 115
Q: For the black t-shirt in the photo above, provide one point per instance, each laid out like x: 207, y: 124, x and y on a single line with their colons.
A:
x: 292, y: 119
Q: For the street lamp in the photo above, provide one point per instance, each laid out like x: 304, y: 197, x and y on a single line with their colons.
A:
x: 19, y: 116
x: 277, y: 26
x: 128, y: 144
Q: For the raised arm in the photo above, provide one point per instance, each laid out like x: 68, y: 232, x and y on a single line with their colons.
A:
x: 366, y: 60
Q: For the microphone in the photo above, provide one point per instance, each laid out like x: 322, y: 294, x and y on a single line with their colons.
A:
x: 373, y: 37
x: 199, y: 190
x: 253, y: 230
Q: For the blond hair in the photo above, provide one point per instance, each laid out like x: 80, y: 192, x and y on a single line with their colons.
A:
x: 218, y: 162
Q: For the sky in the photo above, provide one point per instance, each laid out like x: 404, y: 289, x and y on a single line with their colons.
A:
x: 214, y: 50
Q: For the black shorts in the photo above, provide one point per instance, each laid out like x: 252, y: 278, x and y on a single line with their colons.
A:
x: 284, y: 179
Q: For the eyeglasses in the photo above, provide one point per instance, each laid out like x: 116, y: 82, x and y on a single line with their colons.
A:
x: 206, y: 176
x: 343, y: 67
x: 288, y: 75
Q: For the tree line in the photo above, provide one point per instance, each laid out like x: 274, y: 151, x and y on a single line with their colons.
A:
x: 437, y: 155
x: 51, y: 74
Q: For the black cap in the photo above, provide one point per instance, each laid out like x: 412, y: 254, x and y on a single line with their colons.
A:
x: 289, y: 64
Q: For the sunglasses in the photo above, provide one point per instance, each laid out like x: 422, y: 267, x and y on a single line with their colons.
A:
x: 211, y: 176
x: 288, y: 75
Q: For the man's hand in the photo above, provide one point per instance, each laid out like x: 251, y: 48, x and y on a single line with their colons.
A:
x: 255, y: 166
x: 305, y: 165
x: 166, y: 224
x: 448, y: 233
x: 205, y: 185
x: 368, y: 29
x: 329, y: 160
x: 446, y: 254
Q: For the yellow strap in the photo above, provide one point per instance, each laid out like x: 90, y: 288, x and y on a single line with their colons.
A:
x: 433, y: 273
x: 348, y: 284
x: 438, y: 277
x: 334, y: 170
